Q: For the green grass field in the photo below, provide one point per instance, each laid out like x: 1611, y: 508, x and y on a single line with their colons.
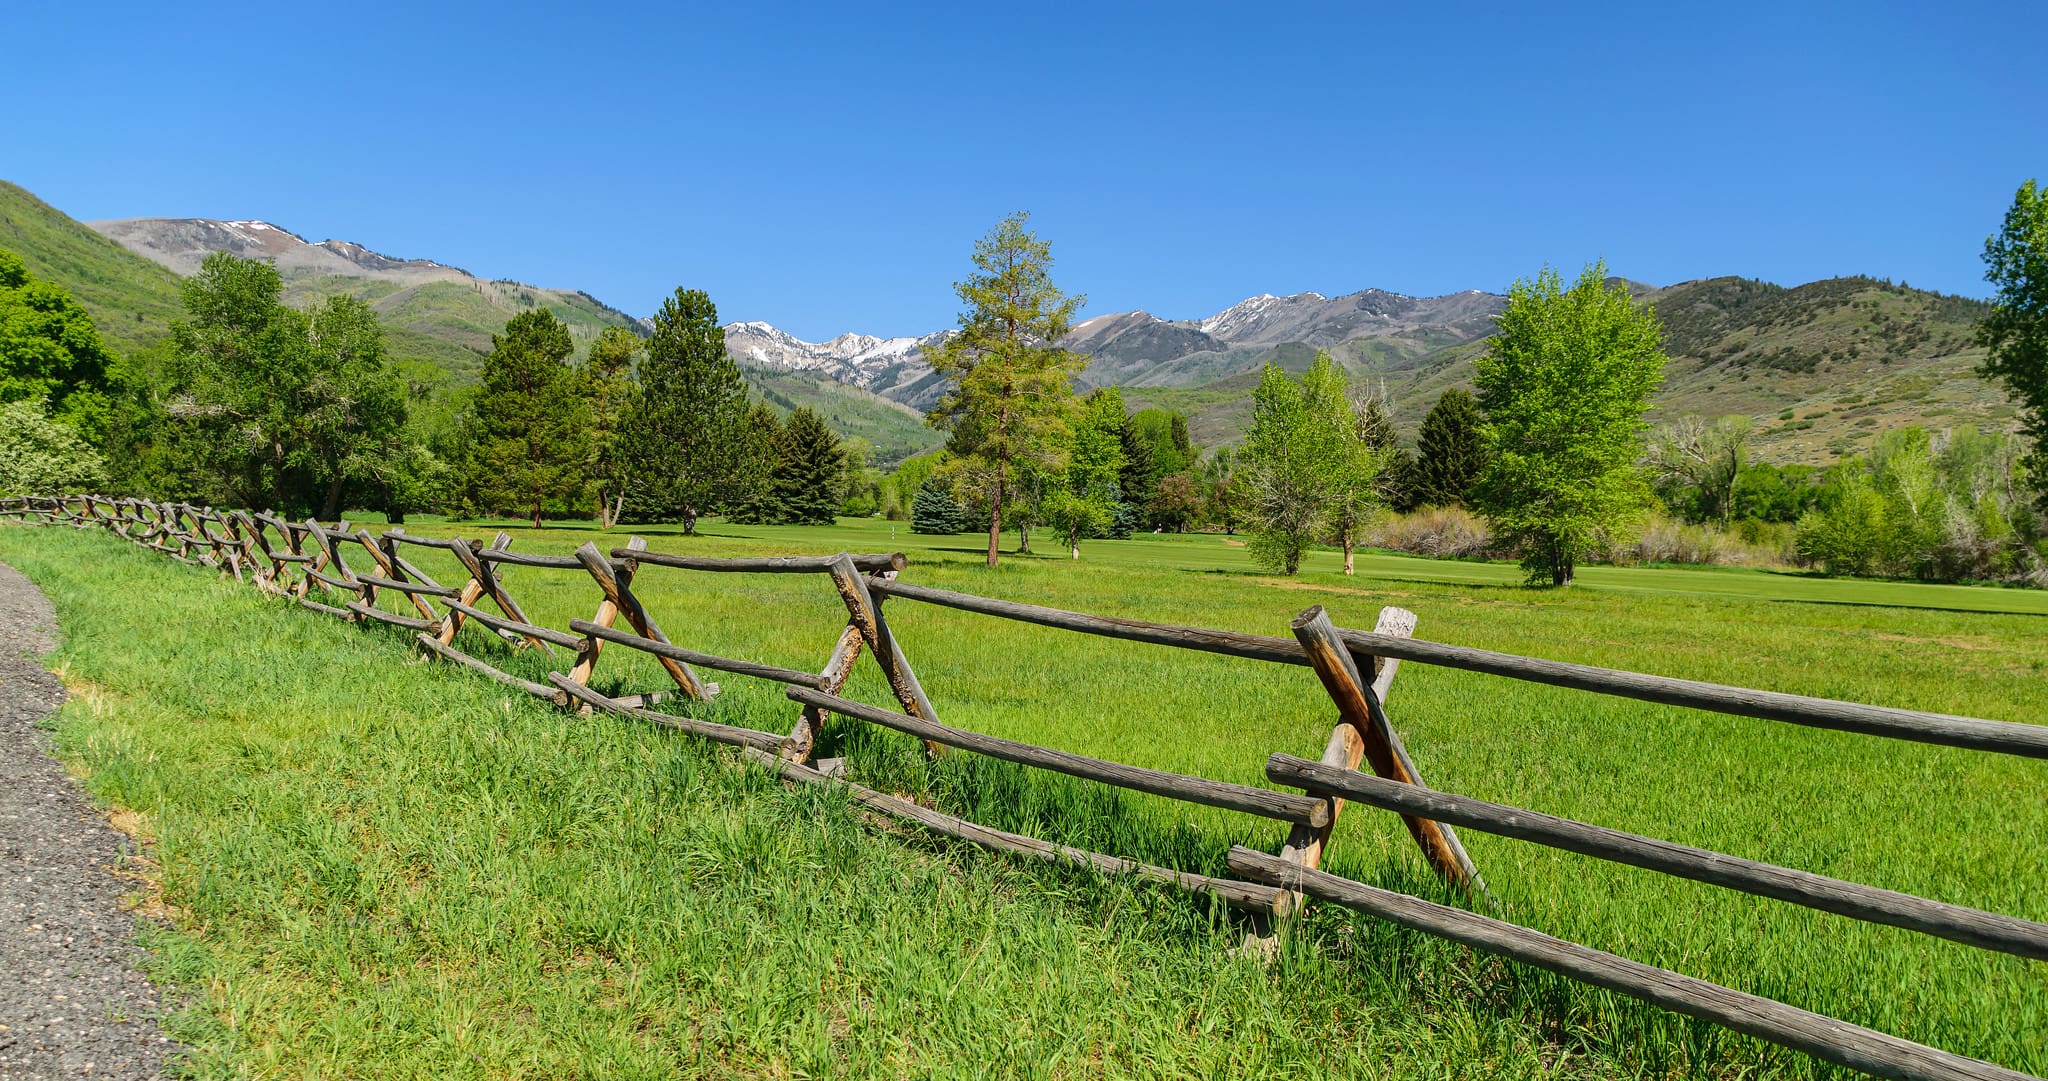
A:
x: 396, y: 865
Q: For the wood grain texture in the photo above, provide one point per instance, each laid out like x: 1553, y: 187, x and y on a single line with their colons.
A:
x: 1358, y: 708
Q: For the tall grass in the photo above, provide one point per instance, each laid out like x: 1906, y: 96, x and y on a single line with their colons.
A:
x: 315, y: 791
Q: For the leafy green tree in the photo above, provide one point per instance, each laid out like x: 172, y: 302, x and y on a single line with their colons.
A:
x: 532, y: 433
x: 1008, y: 379
x: 810, y: 469
x: 1289, y: 462
x: 1450, y: 452
x: 935, y: 510
x: 1081, y: 500
x: 41, y: 456
x: 51, y: 352
x: 277, y: 405
x: 683, y: 449
x: 607, y: 385
x: 1360, y: 440
x: 1564, y: 385
x: 2015, y: 333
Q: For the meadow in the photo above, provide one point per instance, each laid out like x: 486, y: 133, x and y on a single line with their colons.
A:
x: 397, y: 863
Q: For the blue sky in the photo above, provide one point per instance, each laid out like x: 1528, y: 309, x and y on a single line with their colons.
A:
x: 827, y: 170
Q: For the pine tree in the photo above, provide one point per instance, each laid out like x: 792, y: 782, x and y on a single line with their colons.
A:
x: 532, y: 435
x: 1450, y: 452
x: 810, y: 469
x: 936, y: 511
x: 755, y: 500
x: 1009, y: 381
x: 684, y: 448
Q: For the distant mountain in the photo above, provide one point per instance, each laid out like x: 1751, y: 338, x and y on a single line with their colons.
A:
x: 1822, y: 367
x: 891, y: 367
x: 452, y: 312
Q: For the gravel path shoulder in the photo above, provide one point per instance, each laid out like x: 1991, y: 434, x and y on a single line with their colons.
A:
x: 72, y: 1003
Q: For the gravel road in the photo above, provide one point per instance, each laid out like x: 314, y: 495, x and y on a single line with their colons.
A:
x: 72, y: 1003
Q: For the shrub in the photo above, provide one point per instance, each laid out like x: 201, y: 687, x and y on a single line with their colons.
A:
x: 1437, y: 532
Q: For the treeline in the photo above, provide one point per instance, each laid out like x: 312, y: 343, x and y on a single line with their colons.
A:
x: 251, y: 402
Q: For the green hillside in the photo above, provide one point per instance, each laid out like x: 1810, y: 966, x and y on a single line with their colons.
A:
x: 131, y: 299
x: 896, y: 431
x: 438, y: 332
x: 1823, y: 367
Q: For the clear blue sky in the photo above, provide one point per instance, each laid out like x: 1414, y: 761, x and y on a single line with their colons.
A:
x: 825, y: 170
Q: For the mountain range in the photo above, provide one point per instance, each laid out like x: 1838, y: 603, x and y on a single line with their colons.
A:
x: 1821, y: 366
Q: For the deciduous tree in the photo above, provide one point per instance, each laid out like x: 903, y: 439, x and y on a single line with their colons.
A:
x: 1008, y: 379
x: 278, y: 406
x: 1565, y: 384
x: 51, y: 353
x: 2015, y: 334
x: 1287, y: 463
x: 607, y: 385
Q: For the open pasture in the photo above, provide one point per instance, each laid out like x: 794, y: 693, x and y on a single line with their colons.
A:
x: 1956, y: 825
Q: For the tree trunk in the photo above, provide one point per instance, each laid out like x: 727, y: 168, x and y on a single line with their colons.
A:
x: 1024, y: 539
x: 1074, y: 547
x: 330, y: 508
x: 1349, y: 544
x: 995, y: 518
x: 536, y: 514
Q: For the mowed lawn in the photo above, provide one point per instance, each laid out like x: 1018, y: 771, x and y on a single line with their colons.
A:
x: 1960, y: 826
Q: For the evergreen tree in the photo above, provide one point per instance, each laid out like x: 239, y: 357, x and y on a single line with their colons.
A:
x: 532, y: 432
x: 809, y: 470
x: 936, y: 511
x: 607, y: 386
x: 1565, y: 385
x: 1008, y: 379
x: 1450, y: 451
x: 755, y: 500
x: 683, y: 448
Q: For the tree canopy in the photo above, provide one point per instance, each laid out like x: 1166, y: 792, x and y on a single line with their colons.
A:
x: 532, y: 429
x: 2015, y: 333
x: 1450, y: 452
x: 276, y: 406
x: 1565, y: 384
x: 51, y: 353
x: 683, y: 441
x: 1009, y: 382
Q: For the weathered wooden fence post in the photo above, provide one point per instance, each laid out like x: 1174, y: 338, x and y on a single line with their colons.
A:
x: 617, y: 585
x: 1363, y: 733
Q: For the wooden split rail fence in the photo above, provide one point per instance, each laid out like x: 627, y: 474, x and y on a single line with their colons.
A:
x: 291, y: 559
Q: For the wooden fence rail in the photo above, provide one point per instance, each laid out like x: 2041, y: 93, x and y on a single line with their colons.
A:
x: 1363, y: 762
